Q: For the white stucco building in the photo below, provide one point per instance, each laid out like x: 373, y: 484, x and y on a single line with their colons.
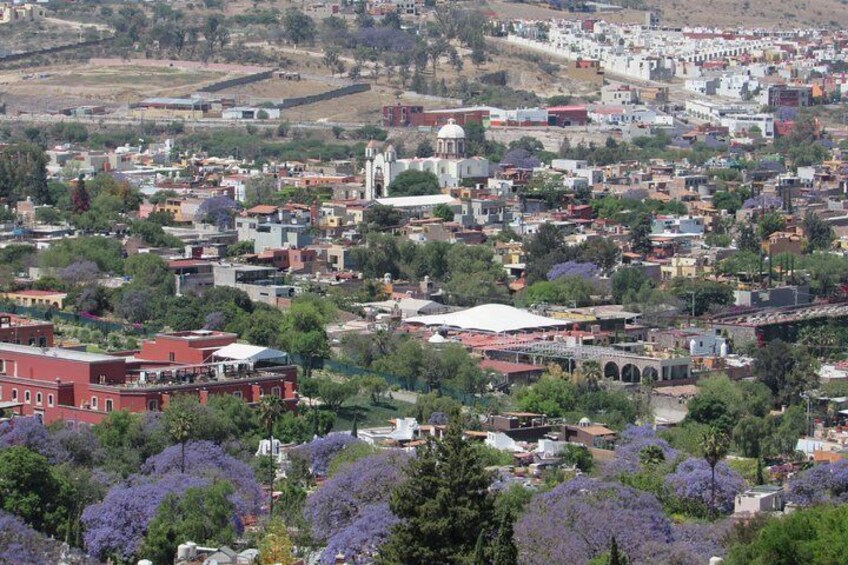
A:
x: 449, y: 163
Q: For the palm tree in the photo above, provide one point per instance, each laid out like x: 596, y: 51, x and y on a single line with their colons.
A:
x: 180, y: 428
x: 270, y: 409
x: 716, y: 445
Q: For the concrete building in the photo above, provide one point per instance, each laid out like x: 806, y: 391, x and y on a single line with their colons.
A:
x: 36, y: 298
x: 763, y: 498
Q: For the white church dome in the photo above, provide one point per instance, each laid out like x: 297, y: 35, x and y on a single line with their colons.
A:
x: 451, y: 131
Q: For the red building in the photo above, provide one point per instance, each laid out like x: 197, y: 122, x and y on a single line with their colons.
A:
x: 22, y: 331
x: 568, y: 115
x: 399, y: 116
x: 462, y: 116
x: 63, y: 384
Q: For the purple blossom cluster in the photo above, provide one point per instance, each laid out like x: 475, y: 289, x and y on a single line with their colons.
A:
x: 320, y: 451
x: 117, y: 525
x: 820, y: 484
x: 360, y: 541
x: 692, y: 480
x: 575, y: 521
x: 32, y: 434
x: 629, y: 448
x: 584, y: 270
x: 520, y: 159
x: 341, y: 500
x: 208, y: 460
x: 218, y: 210
x: 21, y: 544
x: 763, y: 201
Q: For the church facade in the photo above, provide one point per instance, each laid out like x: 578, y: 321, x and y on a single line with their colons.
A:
x: 449, y: 163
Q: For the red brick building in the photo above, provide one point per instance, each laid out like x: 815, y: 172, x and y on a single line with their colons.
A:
x: 23, y: 331
x: 63, y: 384
x: 568, y: 115
x: 400, y: 115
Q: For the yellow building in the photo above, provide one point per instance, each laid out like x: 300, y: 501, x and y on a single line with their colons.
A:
x: 37, y: 298
x: 684, y: 267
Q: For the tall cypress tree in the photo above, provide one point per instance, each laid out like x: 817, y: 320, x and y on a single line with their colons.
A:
x: 505, y: 552
x: 444, y: 504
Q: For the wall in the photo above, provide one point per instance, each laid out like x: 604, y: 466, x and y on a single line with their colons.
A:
x: 324, y: 96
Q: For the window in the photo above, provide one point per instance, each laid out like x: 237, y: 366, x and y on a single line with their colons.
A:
x: 108, y: 404
x: 171, y: 356
x: 49, y: 400
x: 275, y: 391
x: 237, y: 394
x: 152, y: 405
x: 14, y: 394
x: 38, y: 398
x: 31, y: 341
x: 94, y: 403
x: 42, y: 341
x: 27, y: 397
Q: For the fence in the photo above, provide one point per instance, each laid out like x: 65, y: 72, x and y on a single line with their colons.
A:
x: 238, y: 81
x: 56, y: 49
x: 397, y: 381
x: 329, y: 95
x: 71, y: 318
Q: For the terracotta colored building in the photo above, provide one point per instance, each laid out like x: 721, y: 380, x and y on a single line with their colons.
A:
x: 76, y: 386
x: 23, y: 331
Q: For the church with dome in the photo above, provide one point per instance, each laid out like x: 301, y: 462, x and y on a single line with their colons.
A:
x: 449, y: 163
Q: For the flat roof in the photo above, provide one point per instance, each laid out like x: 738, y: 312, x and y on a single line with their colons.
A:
x: 59, y: 353
x: 413, y: 201
x: 492, y: 318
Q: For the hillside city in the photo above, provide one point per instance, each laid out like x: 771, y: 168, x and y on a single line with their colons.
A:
x: 423, y: 282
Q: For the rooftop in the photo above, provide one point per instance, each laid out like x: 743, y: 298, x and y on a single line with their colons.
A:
x: 59, y: 353
x: 491, y: 318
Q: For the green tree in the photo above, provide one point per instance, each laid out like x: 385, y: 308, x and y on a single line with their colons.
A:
x: 814, y: 536
x: 414, y: 183
x: 566, y: 291
x: 626, y: 281
x: 298, y: 27
x: 504, y: 551
x: 302, y: 332
x: 786, y: 370
x: 443, y: 211
x: 747, y: 240
x: 771, y: 222
x: 29, y: 489
x: 260, y: 190
x: 639, y: 232
x: 202, y: 514
x: 380, y: 217
x: 276, y: 547
x: 181, y: 427
x: 333, y: 395
x: 819, y: 233
x: 446, y: 491
x: 705, y: 294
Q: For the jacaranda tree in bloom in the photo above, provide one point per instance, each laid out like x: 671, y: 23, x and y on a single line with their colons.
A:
x: 320, y: 451
x: 339, y: 502
x: 575, y: 522
x: 573, y: 269
x: 20, y: 544
x: 691, y: 481
x: 32, y: 434
x: 821, y: 484
x: 116, y: 526
x: 629, y: 452
x: 360, y: 541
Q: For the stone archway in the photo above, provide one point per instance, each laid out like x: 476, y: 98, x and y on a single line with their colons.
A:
x: 650, y: 375
x: 630, y: 374
x: 611, y: 371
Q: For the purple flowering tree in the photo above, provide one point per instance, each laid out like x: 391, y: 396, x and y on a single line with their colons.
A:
x: 820, y: 484
x: 32, y: 434
x: 80, y: 272
x: 116, y: 526
x: 575, y: 521
x: 629, y: 451
x: 218, y: 211
x: 342, y: 499
x: 208, y: 460
x: 691, y: 480
x: 360, y: 541
x: 20, y: 544
x: 320, y: 451
x: 573, y: 269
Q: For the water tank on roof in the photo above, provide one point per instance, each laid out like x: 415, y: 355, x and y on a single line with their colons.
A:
x: 722, y: 350
x: 693, y: 347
